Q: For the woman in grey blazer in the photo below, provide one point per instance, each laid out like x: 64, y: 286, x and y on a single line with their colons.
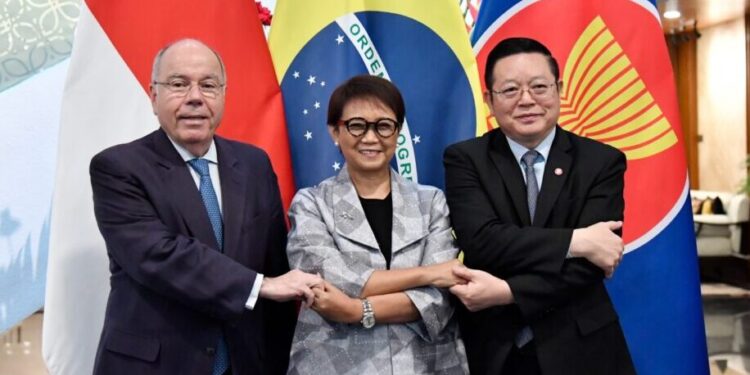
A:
x: 384, y: 246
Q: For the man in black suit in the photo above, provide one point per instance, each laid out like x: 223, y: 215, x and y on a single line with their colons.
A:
x: 195, y: 234
x: 535, y: 209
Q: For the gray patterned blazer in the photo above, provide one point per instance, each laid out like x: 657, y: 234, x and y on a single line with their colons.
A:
x: 330, y: 235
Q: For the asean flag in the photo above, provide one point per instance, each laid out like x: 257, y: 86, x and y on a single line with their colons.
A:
x: 105, y: 103
x: 618, y: 88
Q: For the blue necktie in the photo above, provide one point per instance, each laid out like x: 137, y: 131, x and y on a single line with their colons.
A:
x: 532, y: 192
x: 208, y: 194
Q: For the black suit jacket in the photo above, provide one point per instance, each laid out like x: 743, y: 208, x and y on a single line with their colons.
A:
x: 564, y: 301
x: 172, y: 293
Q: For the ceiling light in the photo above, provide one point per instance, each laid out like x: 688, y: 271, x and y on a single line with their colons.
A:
x: 672, y: 14
x: 671, y: 10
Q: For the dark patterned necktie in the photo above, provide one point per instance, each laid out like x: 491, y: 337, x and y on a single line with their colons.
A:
x: 532, y: 193
x: 532, y: 187
x: 211, y: 202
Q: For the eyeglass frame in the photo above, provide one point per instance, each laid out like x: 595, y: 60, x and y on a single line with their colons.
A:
x: 370, y: 125
x: 170, y: 87
x: 528, y: 89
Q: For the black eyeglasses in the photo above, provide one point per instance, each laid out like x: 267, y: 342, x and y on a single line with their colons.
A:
x: 180, y: 87
x: 537, y: 91
x: 357, y: 126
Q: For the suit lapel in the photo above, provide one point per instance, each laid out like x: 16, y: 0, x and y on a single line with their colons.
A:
x: 559, y: 159
x: 510, y: 174
x: 348, y: 215
x: 408, y: 224
x: 181, y: 189
x: 233, y: 186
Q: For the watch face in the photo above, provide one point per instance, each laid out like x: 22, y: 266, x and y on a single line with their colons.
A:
x: 368, y: 321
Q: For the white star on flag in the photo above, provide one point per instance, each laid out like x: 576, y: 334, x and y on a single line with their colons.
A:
x: 317, y: 105
x: 323, y: 83
x: 417, y: 139
x: 339, y: 39
x: 295, y: 75
x: 311, y: 80
x: 308, y: 135
x: 304, y: 111
x: 336, y: 166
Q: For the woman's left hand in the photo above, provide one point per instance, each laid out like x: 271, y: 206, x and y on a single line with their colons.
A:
x: 442, y: 275
x: 332, y: 304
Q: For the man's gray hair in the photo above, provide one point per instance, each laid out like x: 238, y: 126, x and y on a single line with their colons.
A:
x: 157, y: 59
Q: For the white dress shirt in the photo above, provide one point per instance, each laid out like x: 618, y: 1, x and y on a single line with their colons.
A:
x: 541, y: 161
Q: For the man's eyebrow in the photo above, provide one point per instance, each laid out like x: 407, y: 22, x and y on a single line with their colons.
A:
x: 182, y: 76
x: 507, y: 81
x: 176, y: 75
x: 210, y: 76
x: 541, y: 76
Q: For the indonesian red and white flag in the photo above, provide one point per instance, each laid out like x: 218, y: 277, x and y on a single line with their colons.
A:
x: 106, y: 103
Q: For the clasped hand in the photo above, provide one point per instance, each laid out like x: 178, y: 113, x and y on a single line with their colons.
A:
x: 293, y: 285
x: 481, y: 289
x: 333, y: 304
x: 442, y: 275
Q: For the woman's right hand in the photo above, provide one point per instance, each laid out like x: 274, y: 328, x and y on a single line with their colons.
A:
x: 332, y: 304
x: 441, y: 274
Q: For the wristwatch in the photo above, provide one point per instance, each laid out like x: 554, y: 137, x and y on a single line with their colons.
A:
x: 368, y: 316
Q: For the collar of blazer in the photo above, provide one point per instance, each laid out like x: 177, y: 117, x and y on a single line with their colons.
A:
x: 408, y: 220
x: 560, y: 156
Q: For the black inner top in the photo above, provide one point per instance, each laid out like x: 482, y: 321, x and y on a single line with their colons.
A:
x: 379, y: 213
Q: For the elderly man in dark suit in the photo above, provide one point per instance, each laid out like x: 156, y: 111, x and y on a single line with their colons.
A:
x: 195, y: 233
x: 535, y: 209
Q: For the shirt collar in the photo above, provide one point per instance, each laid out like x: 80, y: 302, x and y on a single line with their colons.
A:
x: 543, y: 148
x: 187, y: 156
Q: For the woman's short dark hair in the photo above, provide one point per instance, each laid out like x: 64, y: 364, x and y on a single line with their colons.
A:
x: 366, y: 87
x: 513, y: 46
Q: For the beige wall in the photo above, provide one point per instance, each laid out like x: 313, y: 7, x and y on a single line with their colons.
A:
x: 721, y: 106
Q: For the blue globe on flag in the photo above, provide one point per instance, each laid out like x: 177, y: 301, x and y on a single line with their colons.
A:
x: 440, y: 105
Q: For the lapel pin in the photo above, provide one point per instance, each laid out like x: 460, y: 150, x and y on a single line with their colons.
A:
x: 345, y: 215
x: 558, y: 172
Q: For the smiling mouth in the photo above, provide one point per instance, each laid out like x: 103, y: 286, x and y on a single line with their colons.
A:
x: 528, y: 118
x: 369, y: 152
x: 192, y: 118
x: 528, y: 115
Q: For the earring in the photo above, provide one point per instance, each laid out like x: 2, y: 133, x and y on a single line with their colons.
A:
x: 336, y: 143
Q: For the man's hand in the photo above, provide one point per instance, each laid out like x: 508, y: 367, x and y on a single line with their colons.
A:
x: 441, y: 274
x: 332, y: 304
x: 482, y: 290
x: 599, y: 245
x: 294, y: 284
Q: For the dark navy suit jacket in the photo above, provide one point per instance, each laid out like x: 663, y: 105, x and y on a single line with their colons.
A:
x: 564, y: 301
x: 172, y: 293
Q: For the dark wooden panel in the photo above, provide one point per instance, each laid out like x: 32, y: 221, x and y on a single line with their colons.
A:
x: 682, y: 52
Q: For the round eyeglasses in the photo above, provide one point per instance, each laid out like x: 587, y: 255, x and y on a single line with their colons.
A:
x: 537, y: 91
x: 209, y: 88
x: 357, y: 126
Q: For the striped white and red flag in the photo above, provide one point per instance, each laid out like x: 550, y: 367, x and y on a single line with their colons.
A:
x: 105, y: 103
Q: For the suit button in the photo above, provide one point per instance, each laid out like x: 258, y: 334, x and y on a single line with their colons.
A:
x: 210, y: 351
